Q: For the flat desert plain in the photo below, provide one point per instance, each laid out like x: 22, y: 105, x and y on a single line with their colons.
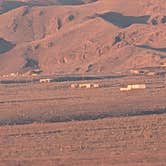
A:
x: 54, y: 124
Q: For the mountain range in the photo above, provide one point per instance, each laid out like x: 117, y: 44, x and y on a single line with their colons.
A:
x: 81, y: 36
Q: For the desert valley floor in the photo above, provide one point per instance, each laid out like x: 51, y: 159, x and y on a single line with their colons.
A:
x: 54, y: 124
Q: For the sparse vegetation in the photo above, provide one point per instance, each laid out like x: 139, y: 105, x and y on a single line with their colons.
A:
x: 31, y: 63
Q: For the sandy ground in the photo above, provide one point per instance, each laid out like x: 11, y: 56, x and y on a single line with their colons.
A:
x: 138, y: 141
x: 57, y: 102
x: 53, y: 124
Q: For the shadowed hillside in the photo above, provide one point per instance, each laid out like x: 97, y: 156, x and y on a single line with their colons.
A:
x: 124, y: 21
x: 82, y: 36
x: 8, y: 5
x: 5, y: 46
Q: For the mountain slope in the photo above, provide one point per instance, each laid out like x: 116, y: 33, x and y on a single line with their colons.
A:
x: 83, y: 36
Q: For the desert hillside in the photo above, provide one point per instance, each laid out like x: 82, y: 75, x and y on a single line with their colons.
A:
x: 83, y: 82
x: 81, y: 36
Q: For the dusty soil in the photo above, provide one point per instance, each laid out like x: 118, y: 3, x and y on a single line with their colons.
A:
x: 53, y: 124
x: 57, y: 102
x: 139, y: 141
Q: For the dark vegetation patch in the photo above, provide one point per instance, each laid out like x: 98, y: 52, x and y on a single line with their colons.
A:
x: 13, y: 4
x: 118, y: 38
x: 14, y: 25
x: 31, y: 63
x: 163, y: 20
x: 77, y: 117
x: 123, y: 21
x: 71, y: 17
x: 157, y: 20
x: 59, y: 23
x: 151, y: 48
x: 25, y: 12
x: 5, y: 46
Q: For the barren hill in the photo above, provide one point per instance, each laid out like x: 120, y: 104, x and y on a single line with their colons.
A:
x: 83, y: 82
x: 81, y: 36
